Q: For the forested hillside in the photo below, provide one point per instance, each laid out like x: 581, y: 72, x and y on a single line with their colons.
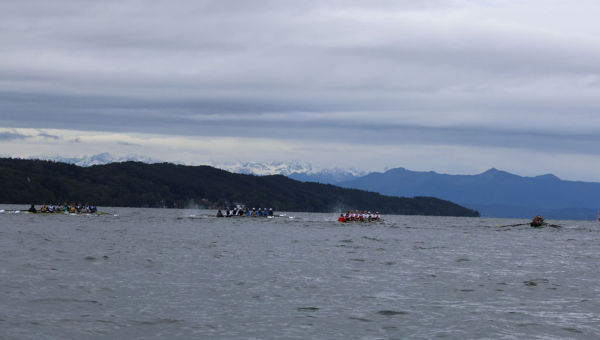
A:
x: 135, y: 184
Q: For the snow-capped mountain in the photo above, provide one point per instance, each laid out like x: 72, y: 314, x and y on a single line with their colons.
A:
x: 267, y: 168
x: 301, y: 171
x: 103, y: 158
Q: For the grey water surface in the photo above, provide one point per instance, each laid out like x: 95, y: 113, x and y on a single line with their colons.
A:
x: 181, y: 274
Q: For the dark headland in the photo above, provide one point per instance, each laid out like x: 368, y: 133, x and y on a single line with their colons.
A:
x: 136, y: 184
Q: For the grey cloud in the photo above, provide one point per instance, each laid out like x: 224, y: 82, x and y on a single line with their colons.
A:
x: 49, y: 136
x: 128, y: 144
x: 363, y: 133
x: 7, y: 136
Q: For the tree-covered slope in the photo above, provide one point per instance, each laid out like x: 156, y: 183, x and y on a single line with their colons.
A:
x: 134, y: 184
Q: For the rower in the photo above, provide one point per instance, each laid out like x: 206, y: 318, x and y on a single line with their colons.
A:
x: 270, y: 211
x: 537, y: 221
x: 32, y: 209
x: 253, y: 212
x: 44, y: 208
x: 51, y: 208
x: 219, y: 213
x: 93, y: 208
x: 341, y: 218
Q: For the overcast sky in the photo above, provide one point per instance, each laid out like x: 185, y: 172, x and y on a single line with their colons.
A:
x: 452, y: 86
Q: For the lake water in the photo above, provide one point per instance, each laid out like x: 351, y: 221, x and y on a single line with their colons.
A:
x: 162, y: 274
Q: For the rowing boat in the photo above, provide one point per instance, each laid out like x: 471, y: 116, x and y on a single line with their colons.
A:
x: 244, y: 216
x: 98, y: 213
x: 532, y: 224
x: 372, y: 221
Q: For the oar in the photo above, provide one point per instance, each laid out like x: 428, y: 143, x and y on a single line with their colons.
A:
x: 554, y: 226
x: 513, y: 225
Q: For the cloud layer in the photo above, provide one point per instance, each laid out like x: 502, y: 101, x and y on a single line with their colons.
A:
x: 512, y: 78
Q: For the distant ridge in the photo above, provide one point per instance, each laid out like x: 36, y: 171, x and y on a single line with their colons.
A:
x: 99, y: 159
x: 494, y: 193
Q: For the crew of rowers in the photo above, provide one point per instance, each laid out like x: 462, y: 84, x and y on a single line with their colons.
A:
x: 351, y: 215
x: 240, y: 212
x: 87, y: 208
x: 537, y: 221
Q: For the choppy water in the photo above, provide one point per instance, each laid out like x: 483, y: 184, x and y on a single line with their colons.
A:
x: 160, y: 274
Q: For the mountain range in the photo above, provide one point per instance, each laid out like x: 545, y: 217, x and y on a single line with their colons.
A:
x: 493, y: 193
x: 99, y: 159
x: 301, y: 171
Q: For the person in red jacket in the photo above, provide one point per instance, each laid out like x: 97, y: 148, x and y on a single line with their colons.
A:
x: 342, y: 218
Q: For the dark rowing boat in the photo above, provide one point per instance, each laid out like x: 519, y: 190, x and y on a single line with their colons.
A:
x: 372, y: 221
x: 97, y: 213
